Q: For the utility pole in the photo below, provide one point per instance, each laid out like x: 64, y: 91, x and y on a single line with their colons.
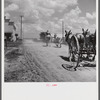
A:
x: 21, y: 27
x: 63, y: 30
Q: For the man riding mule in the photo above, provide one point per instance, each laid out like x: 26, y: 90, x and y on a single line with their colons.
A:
x: 47, y: 38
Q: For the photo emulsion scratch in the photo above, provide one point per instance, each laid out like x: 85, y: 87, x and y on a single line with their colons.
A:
x: 50, y: 41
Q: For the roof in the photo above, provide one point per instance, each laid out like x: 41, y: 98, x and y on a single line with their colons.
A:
x: 9, y: 26
x: 7, y: 20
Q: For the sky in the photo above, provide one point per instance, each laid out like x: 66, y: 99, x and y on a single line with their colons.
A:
x: 43, y: 15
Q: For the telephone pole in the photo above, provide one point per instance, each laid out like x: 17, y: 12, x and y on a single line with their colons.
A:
x: 21, y: 31
x: 63, y: 30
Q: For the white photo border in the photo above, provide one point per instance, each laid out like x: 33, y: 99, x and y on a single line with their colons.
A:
x: 39, y: 91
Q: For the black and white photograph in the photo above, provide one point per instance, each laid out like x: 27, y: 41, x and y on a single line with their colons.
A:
x: 50, y: 41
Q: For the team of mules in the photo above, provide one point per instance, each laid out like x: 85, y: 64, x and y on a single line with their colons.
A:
x: 85, y: 39
x: 81, y: 45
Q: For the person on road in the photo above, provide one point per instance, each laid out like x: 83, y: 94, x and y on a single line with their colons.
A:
x: 47, y: 37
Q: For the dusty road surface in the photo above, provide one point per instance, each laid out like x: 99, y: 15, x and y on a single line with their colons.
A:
x: 48, y: 63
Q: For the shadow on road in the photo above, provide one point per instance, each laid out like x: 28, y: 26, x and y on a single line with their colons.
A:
x: 89, y: 64
x: 65, y: 58
x: 85, y: 66
x: 68, y: 67
x: 56, y: 47
x: 46, y: 46
x: 37, y: 40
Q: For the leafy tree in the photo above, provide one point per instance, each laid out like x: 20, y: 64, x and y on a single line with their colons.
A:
x: 42, y: 35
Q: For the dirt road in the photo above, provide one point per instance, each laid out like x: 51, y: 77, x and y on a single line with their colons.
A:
x: 49, y: 60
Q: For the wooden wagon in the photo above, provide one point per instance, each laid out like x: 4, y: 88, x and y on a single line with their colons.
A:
x: 82, y: 47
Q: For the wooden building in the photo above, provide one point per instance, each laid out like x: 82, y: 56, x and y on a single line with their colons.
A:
x: 9, y: 30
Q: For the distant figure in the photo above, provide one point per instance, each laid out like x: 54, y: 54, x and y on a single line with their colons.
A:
x: 57, y: 40
x: 47, y: 37
x: 55, y: 35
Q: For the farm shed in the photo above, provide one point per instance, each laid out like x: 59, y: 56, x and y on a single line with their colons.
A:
x: 9, y: 30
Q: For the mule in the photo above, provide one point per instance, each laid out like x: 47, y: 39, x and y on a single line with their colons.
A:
x: 68, y: 36
x: 57, y: 41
